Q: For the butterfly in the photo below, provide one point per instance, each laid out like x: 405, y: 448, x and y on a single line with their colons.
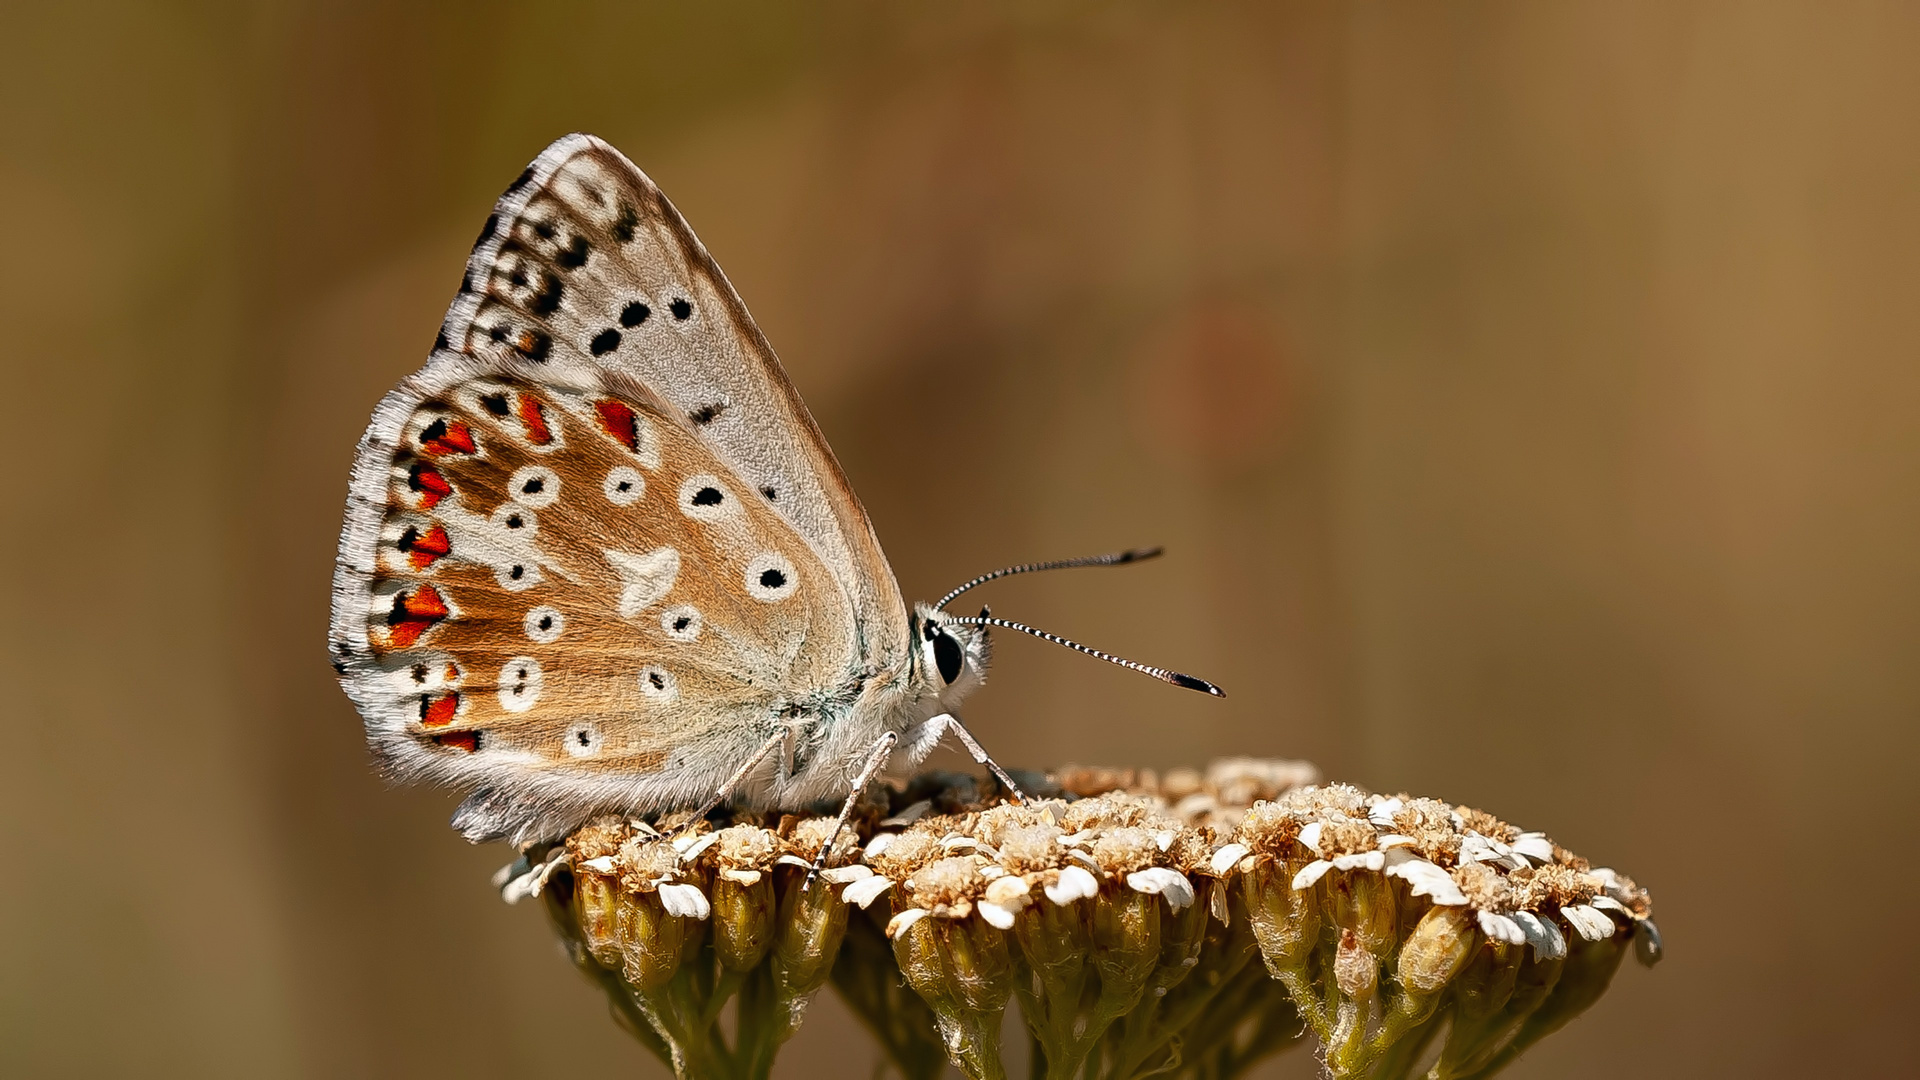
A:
x: 597, y: 556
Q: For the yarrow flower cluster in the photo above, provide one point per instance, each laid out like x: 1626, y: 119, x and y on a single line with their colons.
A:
x: 1123, y: 911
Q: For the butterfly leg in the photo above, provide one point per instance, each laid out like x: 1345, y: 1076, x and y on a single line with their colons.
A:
x: 882, y: 750
x: 783, y: 736
x: 946, y: 722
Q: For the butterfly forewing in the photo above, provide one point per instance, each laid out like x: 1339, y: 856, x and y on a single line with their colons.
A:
x: 586, y: 259
x: 565, y: 578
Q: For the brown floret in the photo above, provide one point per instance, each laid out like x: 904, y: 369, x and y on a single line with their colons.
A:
x: 1346, y: 837
x: 1126, y: 849
x: 598, y: 839
x: 642, y: 862
x: 947, y: 886
x: 1486, y: 824
x: 1483, y: 886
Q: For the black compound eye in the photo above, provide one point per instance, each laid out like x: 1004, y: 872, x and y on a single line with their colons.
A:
x: 946, y: 655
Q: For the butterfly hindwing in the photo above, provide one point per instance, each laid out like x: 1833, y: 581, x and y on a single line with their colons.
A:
x: 567, y: 584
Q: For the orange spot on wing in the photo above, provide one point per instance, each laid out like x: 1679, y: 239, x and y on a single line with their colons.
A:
x: 468, y: 741
x: 424, y: 548
x: 534, y: 416
x: 414, y: 614
x: 441, y: 438
x: 438, y: 711
x: 617, y: 420
x: 432, y: 486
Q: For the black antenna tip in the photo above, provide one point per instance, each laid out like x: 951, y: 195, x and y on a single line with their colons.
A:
x: 1192, y: 683
x: 1139, y: 553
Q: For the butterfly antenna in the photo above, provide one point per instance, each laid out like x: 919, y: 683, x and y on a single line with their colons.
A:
x: 1116, y: 558
x: 1162, y: 674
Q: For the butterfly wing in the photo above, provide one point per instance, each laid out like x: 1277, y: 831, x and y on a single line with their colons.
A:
x: 587, y: 295
x: 569, y: 602
x: 584, y: 256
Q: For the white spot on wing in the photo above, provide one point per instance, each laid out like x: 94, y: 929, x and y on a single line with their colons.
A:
x: 770, y: 577
x: 584, y: 740
x: 645, y: 579
x: 624, y: 485
x: 534, y: 486
x: 681, y: 622
x: 658, y: 684
x: 520, y: 684
x: 697, y: 499
x: 545, y: 624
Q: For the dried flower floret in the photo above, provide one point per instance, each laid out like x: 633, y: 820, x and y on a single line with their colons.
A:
x: 1123, y: 910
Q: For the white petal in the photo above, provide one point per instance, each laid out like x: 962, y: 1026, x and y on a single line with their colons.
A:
x: 1425, y: 879
x: 1195, y: 805
x: 1074, y: 884
x: 1224, y: 859
x: 793, y: 860
x: 864, y: 891
x: 1082, y: 857
x: 1588, y: 922
x: 959, y: 843
x: 1545, y: 937
x: 1389, y: 841
x: 1501, y: 928
x: 1311, y: 873
x: 1010, y: 891
x: 1163, y: 839
x: 997, y: 917
x: 1078, y: 839
x: 686, y: 901
x: 601, y: 865
x: 880, y: 843
x: 1535, y: 846
x: 840, y: 875
x: 899, y: 923
x: 909, y: 815
x: 1365, y: 860
x: 1162, y: 881
x: 1608, y: 903
x: 1381, y: 813
x: 521, y: 887
x: 1310, y: 836
x: 742, y: 877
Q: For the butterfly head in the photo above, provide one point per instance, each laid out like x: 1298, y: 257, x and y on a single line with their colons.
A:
x: 950, y: 657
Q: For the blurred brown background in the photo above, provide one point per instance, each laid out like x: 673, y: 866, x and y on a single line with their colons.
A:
x: 1526, y: 396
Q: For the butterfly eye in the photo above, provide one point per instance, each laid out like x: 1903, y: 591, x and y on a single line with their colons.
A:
x: 946, y: 654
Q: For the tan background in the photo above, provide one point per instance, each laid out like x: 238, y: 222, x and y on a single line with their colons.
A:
x: 1526, y: 395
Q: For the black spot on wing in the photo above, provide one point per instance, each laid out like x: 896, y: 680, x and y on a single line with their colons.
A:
x: 624, y: 223
x: 768, y: 491
x: 524, y: 179
x: 604, y: 342
x: 707, y: 496
x: 634, y: 314
x: 534, y: 345
x: 681, y: 308
x: 574, y: 255
x: 706, y: 414
x: 440, y: 340
x: 547, y: 300
x: 486, y: 231
x: 495, y: 404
